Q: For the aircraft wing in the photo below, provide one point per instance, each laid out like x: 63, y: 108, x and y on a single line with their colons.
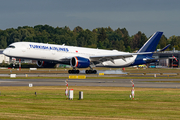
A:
x: 103, y: 58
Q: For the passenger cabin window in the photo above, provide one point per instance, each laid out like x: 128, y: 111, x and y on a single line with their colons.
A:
x: 11, y: 46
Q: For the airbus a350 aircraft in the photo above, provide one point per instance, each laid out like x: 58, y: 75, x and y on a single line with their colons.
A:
x: 80, y: 57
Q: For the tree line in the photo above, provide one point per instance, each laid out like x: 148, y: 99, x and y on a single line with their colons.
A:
x: 101, y: 38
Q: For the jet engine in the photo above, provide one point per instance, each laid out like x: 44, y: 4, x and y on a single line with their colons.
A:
x: 45, y: 64
x: 79, y: 62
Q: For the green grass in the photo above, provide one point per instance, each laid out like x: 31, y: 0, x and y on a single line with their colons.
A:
x: 98, y: 103
x: 139, y: 72
x: 65, y: 70
x: 105, y: 77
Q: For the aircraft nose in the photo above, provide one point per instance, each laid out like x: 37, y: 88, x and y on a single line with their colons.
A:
x: 5, y: 52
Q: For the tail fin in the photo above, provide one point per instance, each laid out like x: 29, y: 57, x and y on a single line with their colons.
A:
x: 151, y: 44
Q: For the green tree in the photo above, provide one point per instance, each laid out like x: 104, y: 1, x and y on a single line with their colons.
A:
x: 124, y: 32
x: 102, y: 35
x: 3, y: 39
x: 114, y: 36
x: 85, y: 38
x: 119, y: 32
x: 163, y: 42
x: 77, y: 29
x: 128, y: 49
x: 121, y: 46
x: 100, y: 45
x: 118, y: 45
x: 138, y: 40
x: 109, y: 30
x: 175, y: 42
x: 106, y: 44
x: 104, y: 38
x: 3, y: 43
x: 126, y: 41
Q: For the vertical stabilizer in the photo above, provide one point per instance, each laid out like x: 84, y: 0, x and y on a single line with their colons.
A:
x: 151, y: 44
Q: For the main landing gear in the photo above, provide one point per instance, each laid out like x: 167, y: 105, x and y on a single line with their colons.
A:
x: 91, y: 71
x: 74, y: 71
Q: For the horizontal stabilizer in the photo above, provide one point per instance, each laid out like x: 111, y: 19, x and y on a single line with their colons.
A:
x: 165, y: 48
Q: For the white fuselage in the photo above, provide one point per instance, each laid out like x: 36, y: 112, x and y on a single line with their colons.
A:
x: 51, y: 52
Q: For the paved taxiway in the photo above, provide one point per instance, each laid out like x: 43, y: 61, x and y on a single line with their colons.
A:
x: 93, y: 82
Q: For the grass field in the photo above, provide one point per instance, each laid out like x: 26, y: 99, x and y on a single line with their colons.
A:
x: 98, y: 103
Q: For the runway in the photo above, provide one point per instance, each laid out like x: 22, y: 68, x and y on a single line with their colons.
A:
x: 144, y: 83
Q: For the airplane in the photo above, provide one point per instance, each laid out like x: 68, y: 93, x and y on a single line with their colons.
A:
x: 81, y: 57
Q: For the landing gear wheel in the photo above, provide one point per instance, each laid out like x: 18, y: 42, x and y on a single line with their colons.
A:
x: 69, y: 71
x: 73, y: 71
x: 91, y: 71
x: 77, y: 71
x: 94, y: 71
x: 87, y: 71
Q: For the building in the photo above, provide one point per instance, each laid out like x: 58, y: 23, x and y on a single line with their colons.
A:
x: 167, y: 59
x: 3, y: 57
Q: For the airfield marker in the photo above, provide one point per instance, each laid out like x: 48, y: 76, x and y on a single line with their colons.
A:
x: 19, y: 64
x: 30, y: 85
x: 154, y: 75
x: 132, y: 91
x: 66, y: 90
x: 71, y: 94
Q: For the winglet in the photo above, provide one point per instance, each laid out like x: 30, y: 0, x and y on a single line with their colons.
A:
x: 152, y: 43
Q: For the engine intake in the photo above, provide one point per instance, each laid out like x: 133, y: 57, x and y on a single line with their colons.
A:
x: 80, y: 62
x: 40, y: 63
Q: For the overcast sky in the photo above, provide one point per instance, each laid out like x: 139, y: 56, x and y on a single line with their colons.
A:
x: 147, y: 16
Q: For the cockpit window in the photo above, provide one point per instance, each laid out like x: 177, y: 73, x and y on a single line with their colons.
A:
x: 11, y: 46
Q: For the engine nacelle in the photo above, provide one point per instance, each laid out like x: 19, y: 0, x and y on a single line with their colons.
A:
x: 40, y: 63
x: 80, y: 62
x: 45, y: 64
